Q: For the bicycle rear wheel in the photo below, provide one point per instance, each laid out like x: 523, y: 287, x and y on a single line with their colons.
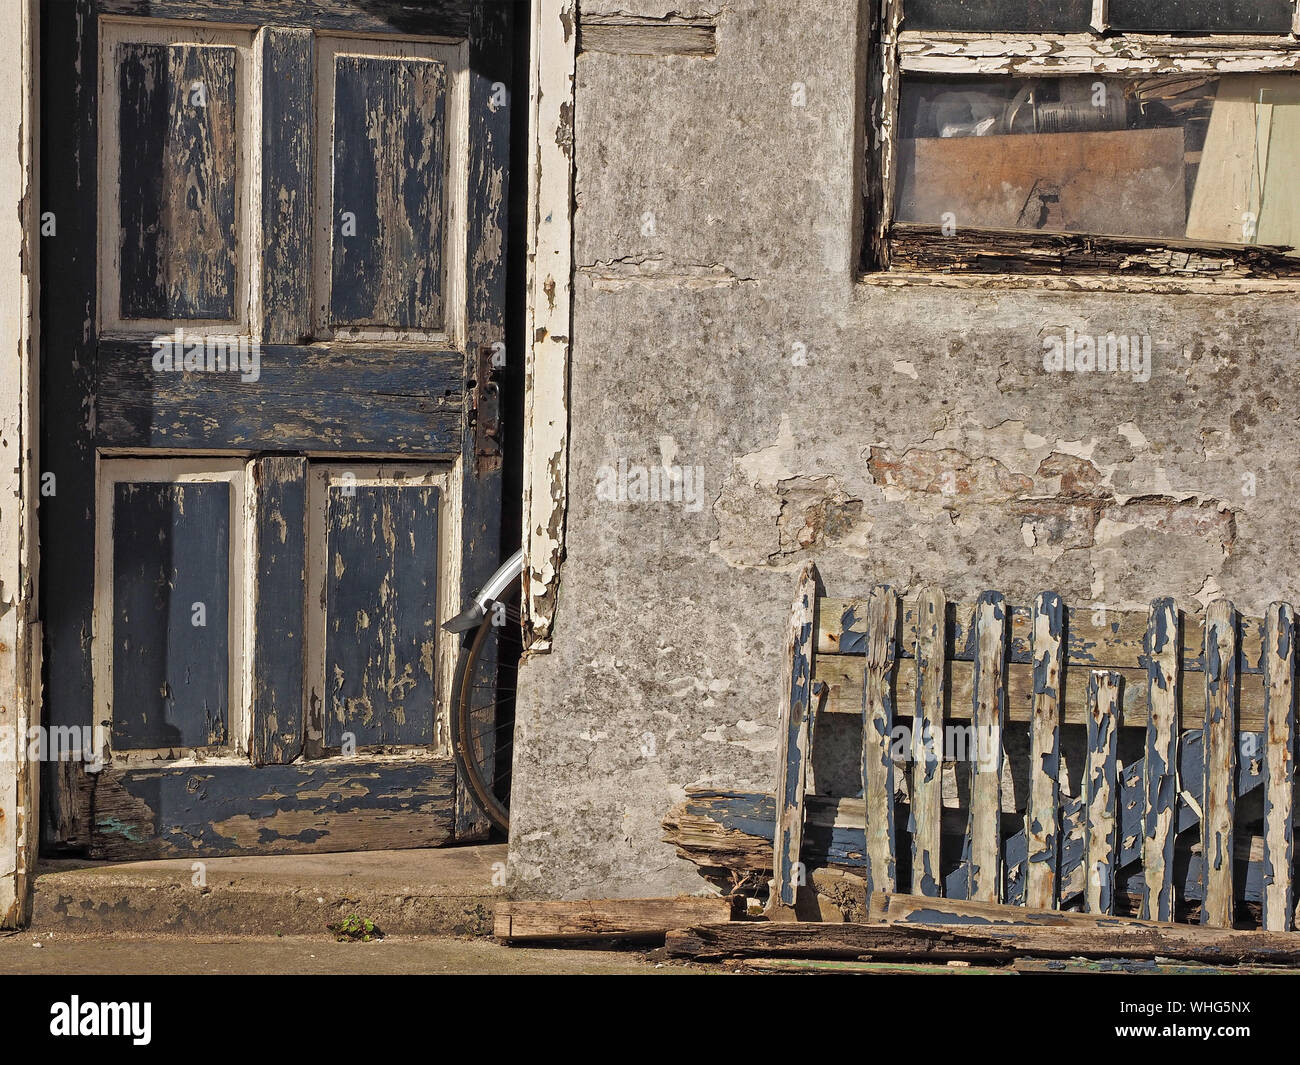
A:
x: 484, y: 706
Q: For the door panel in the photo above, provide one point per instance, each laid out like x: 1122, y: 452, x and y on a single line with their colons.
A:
x: 381, y: 614
x: 177, y: 107
x: 171, y: 605
x: 240, y: 584
x: 388, y: 179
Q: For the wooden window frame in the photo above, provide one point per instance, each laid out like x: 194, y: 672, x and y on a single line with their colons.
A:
x: 113, y: 470
x: 901, y: 253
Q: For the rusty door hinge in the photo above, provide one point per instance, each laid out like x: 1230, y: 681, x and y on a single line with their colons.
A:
x: 485, y: 414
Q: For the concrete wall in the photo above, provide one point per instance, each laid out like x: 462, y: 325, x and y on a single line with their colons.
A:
x: 922, y: 440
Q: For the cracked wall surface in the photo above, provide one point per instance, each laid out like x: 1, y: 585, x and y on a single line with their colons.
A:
x: 900, y: 434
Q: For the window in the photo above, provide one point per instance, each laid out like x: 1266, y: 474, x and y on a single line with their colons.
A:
x: 1086, y: 136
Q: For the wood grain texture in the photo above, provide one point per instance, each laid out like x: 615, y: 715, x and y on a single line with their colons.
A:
x: 557, y: 921
x: 287, y: 119
x: 381, y: 609
x: 1160, y: 764
x: 280, y: 598
x: 321, y: 398
x: 795, y: 743
x: 913, y: 246
x: 646, y: 37
x: 314, y: 807
x: 178, y: 117
x: 877, y: 739
x: 1100, y: 790
x: 171, y: 604
x: 843, y: 677
x: 927, y: 781
x: 1279, y: 770
x: 1218, y: 791
x: 1002, y: 943
x: 1041, y: 827
x: 1096, y: 639
x: 983, y: 857
x: 389, y: 175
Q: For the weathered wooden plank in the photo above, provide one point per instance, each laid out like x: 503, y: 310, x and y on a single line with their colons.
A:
x: 1180, y: 942
x: 927, y: 738
x: 178, y: 116
x: 381, y: 614
x: 915, y: 909
x: 287, y: 121
x: 171, y: 604
x: 1100, y: 788
x: 308, y: 807
x: 1279, y: 770
x: 557, y: 921
x: 1160, y: 765
x: 1218, y: 793
x: 1096, y: 638
x: 988, y: 711
x: 630, y: 36
x: 388, y: 190
x: 913, y: 246
x: 280, y: 598
x: 843, y: 677
x: 323, y: 399
x: 795, y: 746
x: 1045, y: 753
x: 877, y: 738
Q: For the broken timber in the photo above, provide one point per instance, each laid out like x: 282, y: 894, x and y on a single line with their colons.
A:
x: 524, y: 921
x: 991, y: 943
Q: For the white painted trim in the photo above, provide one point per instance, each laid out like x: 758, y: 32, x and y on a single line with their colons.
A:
x: 248, y: 196
x: 20, y: 632
x: 455, y: 207
x: 322, y: 476
x: 1082, y: 53
x: 550, y: 310
x: 184, y: 470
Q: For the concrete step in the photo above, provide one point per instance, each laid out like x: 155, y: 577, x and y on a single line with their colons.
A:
x: 443, y: 891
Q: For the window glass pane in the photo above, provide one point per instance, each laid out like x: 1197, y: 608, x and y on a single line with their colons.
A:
x: 1201, y: 16
x: 1034, y: 16
x: 1197, y: 157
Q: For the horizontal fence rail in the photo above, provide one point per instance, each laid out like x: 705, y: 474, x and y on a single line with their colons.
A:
x: 1207, y: 699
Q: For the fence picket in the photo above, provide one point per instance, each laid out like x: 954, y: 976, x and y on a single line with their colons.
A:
x: 796, y: 740
x: 877, y: 729
x: 1279, y: 768
x: 927, y: 743
x: 1101, y: 789
x: 1041, y: 821
x: 984, y: 832
x: 1160, y: 767
x: 1218, y: 782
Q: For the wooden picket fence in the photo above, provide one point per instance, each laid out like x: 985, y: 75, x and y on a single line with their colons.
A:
x: 1203, y: 688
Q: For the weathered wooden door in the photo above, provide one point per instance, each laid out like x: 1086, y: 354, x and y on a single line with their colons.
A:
x: 273, y: 284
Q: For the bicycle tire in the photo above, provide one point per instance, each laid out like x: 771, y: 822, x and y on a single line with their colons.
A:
x: 468, y: 757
